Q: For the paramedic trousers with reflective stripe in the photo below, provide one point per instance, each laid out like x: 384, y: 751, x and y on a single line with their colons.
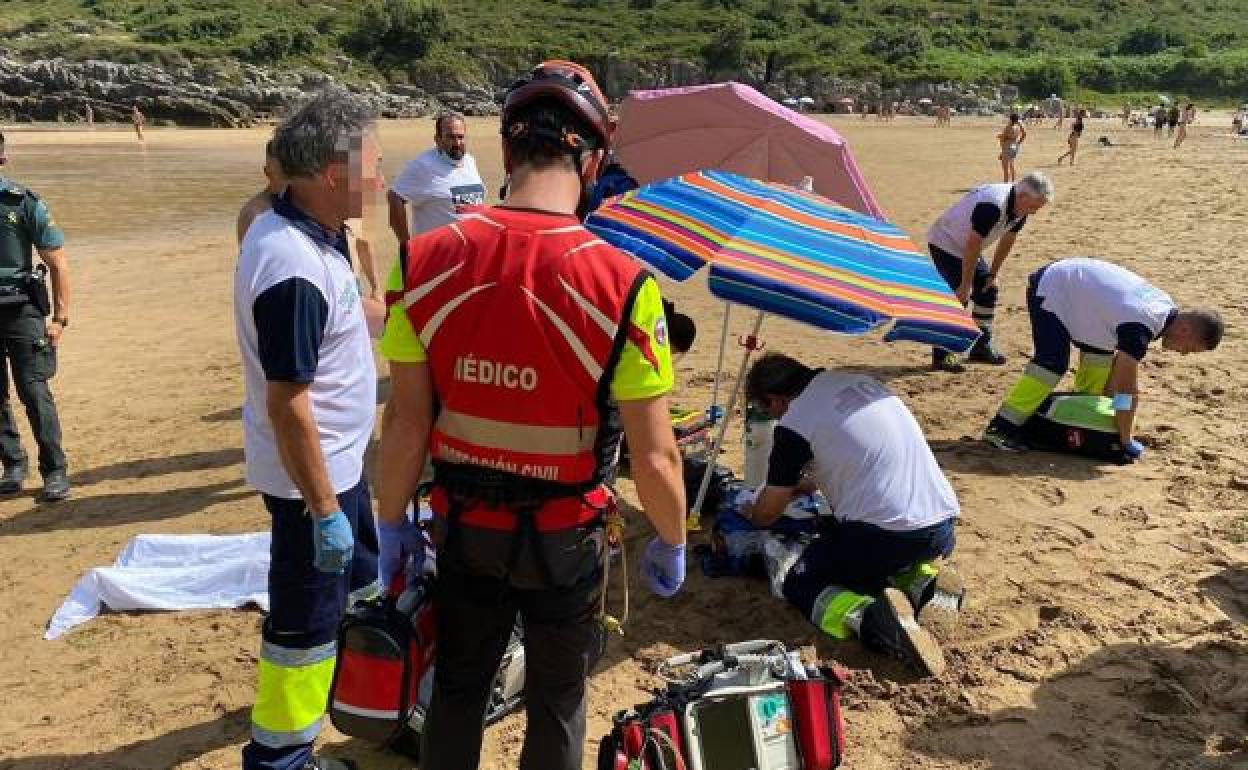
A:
x: 475, y: 609
x: 843, y: 567
x: 300, y: 632
x: 983, y: 296
x: 1049, y: 361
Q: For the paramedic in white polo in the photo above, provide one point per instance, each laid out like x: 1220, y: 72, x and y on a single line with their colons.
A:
x: 989, y: 213
x: 307, y: 418
x: 1112, y: 315
x: 894, y: 509
x: 437, y: 185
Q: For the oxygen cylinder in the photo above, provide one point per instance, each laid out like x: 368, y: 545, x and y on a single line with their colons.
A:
x: 757, y: 444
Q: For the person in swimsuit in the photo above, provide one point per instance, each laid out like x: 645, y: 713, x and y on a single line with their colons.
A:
x: 1189, y: 115
x: 1011, y: 139
x: 1072, y: 141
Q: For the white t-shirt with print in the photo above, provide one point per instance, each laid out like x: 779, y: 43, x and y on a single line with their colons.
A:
x: 437, y: 188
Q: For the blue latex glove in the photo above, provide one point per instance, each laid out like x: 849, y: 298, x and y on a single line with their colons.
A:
x: 1133, y: 451
x: 663, y: 567
x: 332, y: 542
x: 396, y: 542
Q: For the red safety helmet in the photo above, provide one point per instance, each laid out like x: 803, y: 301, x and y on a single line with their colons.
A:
x: 572, y: 86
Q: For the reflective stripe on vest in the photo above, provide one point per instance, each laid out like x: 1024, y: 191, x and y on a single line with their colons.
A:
x: 291, y: 695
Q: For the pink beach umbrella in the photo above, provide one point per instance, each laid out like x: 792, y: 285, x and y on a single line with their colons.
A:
x: 732, y: 127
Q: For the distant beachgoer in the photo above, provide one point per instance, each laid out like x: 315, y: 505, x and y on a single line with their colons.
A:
x: 1126, y: 114
x: 1011, y: 139
x: 88, y: 115
x: 1188, y: 117
x: 1172, y: 119
x: 137, y: 118
x: 1159, y: 120
x: 1072, y: 141
x: 1237, y: 123
x: 1061, y: 117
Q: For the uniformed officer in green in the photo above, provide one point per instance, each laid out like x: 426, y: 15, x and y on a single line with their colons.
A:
x: 28, y: 338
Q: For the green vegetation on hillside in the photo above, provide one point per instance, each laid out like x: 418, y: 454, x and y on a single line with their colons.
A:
x: 1197, y: 47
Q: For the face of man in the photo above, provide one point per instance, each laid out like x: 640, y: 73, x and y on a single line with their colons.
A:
x: 356, y: 179
x: 1027, y: 204
x: 1183, y: 339
x: 452, y: 138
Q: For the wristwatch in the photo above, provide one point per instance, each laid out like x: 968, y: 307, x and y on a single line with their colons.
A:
x: 64, y: 322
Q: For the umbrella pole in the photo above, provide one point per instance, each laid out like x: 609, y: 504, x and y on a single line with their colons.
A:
x: 751, y: 344
x: 719, y: 364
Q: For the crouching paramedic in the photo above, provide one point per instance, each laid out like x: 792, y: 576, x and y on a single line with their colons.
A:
x: 894, y: 510
x: 988, y: 213
x: 522, y: 327
x: 1112, y: 315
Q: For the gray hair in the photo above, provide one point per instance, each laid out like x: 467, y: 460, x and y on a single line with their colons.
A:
x: 446, y: 116
x: 308, y: 141
x: 1036, y: 183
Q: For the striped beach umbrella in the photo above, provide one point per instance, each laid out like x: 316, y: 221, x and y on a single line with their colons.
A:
x: 790, y: 253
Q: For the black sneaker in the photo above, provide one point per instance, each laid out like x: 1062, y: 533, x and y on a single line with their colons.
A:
x: 1004, y: 437
x: 14, y: 476
x: 984, y: 352
x: 55, y: 487
x: 325, y: 763
x: 888, y: 626
x: 947, y: 362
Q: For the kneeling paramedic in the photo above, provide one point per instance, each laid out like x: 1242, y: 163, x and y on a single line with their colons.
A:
x: 876, y: 568
x: 522, y: 327
x: 1111, y: 315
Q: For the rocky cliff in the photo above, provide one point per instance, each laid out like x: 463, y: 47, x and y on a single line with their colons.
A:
x: 230, y: 94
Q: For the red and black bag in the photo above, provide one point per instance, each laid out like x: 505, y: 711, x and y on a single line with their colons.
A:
x: 384, y: 657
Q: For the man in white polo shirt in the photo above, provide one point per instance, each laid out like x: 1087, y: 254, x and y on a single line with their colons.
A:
x: 437, y: 184
x: 308, y: 415
x: 1112, y: 316
x: 987, y: 214
x: 894, y: 509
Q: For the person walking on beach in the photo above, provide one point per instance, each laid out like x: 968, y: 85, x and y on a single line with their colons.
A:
x: 1072, y: 141
x: 991, y: 212
x: 1112, y: 315
x: 1172, y: 119
x: 870, y: 573
x: 1159, y: 120
x: 28, y: 342
x: 1186, y: 119
x: 1011, y: 139
x: 88, y: 115
x: 138, y: 120
x: 437, y: 185
x: 310, y: 394
x: 522, y: 328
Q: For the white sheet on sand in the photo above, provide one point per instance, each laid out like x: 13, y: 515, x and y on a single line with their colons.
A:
x: 172, y: 572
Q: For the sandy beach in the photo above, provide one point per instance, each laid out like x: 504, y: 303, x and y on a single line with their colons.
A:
x: 1106, y: 624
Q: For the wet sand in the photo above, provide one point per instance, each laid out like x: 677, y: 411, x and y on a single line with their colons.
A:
x: 1106, y: 624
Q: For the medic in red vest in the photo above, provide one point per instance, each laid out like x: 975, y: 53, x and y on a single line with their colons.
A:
x: 537, y: 342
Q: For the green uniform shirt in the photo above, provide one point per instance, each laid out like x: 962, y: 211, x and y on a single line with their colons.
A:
x: 25, y: 225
